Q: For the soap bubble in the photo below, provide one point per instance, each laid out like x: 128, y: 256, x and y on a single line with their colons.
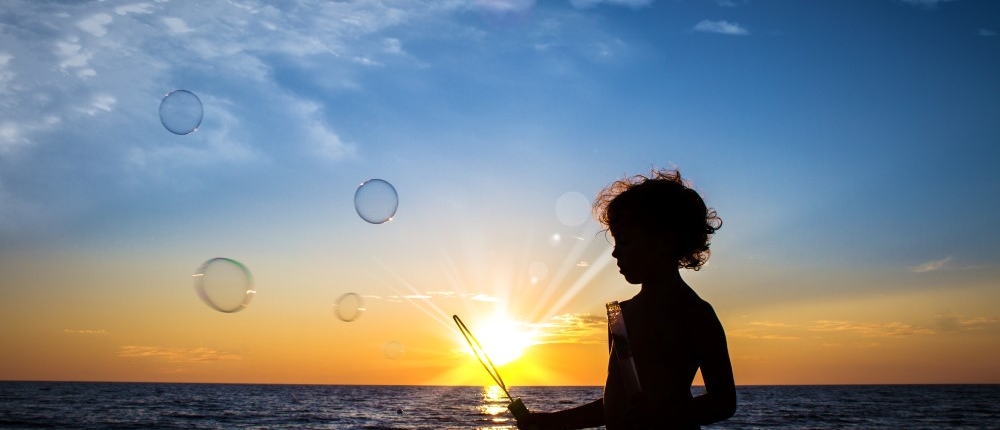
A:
x: 376, y: 201
x: 393, y: 349
x: 181, y: 112
x: 572, y: 209
x: 537, y: 271
x: 349, y: 307
x: 555, y: 240
x: 224, y: 284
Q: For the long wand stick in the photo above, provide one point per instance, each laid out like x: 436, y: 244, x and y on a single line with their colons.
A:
x: 516, y: 406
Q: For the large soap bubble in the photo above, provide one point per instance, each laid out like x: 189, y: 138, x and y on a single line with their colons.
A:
x: 376, y: 201
x: 393, y: 349
x: 224, y: 284
x: 181, y: 112
x: 572, y: 209
x: 349, y: 307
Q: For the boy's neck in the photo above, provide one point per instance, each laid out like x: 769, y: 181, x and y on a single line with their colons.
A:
x: 669, y: 281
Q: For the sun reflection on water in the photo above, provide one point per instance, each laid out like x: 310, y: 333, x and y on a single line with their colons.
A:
x: 494, y: 403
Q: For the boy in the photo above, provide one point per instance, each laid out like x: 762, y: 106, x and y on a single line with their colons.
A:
x: 660, y: 225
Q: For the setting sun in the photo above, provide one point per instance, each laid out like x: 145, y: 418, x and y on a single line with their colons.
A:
x: 503, y: 340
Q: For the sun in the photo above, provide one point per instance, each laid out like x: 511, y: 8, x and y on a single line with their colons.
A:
x: 503, y: 340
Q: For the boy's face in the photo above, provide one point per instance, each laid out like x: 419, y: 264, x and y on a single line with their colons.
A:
x: 638, y: 252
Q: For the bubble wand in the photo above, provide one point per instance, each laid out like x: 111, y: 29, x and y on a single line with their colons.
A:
x: 516, y: 406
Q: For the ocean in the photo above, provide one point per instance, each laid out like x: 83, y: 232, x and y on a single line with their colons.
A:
x: 100, y: 405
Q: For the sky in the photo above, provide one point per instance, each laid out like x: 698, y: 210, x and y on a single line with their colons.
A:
x: 850, y: 147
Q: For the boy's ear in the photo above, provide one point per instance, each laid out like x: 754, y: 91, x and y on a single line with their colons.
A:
x: 667, y: 244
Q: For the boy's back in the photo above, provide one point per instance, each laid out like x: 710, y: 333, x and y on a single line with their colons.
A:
x: 670, y: 334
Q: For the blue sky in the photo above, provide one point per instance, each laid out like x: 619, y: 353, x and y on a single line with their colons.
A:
x: 849, y: 146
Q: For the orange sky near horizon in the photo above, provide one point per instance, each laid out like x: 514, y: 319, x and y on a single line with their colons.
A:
x: 163, y: 333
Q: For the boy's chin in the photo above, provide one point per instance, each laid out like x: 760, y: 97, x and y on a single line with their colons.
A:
x: 633, y: 280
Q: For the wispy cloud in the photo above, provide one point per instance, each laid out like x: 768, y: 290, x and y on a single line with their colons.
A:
x: 955, y: 323
x: 86, y: 332
x: 730, y: 3
x: 141, y: 8
x: 325, y: 142
x: 502, y: 6
x: 772, y: 330
x: 765, y: 330
x: 721, y: 27
x: 177, y: 355
x: 428, y: 295
x: 928, y: 4
x: 634, y: 4
x: 95, y: 24
x: 176, y: 25
x: 103, y: 48
x: 573, y: 328
x: 987, y: 32
x: 870, y: 329
x: 931, y: 266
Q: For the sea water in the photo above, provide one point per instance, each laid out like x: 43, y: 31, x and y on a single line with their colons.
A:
x: 98, y: 405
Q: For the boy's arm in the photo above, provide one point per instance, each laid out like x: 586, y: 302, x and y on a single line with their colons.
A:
x: 719, y: 401
x: 583, y: 416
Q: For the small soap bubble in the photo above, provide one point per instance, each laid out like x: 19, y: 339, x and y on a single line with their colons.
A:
x: 572, y: 209
x: 349, y: 307
x: 181, y: 112
x: 537, y: 271
x: 555, y: 240
x: 393, y: 349
x: 224, y: 284
x: 376, y: 201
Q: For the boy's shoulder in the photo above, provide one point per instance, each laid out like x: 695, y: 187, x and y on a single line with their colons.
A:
x: 684, y: 304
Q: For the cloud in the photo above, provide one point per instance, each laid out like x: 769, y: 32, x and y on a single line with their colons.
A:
x: 484, y: 298
x: 210, y: 42
x: 870, y: 329
x: 6, y: 74
x: 577, y: 328
x: 177, y: 355
x: 502, y: 6
x: 730, y: 3
x: 756, y: 335
x: 325, y: 142
x: 987, y: 32
x: 634, y: 4
x: 927, y: 4
x: 721, y: 27
x: 955, y: 323
x: 770, y: 330
x: 764, y: 330
x: 176, y: 25
x: 226, y: 143
x: 100, y: 332
x: 392, y: 45
x: 932, y: 266
x: 96, y: 24
x: 100, y: 103
x: 428, y: 295
x: 140, y: 8
x: 72, y: 54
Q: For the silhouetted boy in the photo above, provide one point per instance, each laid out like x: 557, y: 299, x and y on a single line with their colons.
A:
x: 660, y: 225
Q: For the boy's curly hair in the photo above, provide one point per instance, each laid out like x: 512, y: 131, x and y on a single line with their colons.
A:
x: 663, y: 202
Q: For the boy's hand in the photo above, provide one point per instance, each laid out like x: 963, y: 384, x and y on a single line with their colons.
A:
x: 534, y: 421
x: 641, y: 413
